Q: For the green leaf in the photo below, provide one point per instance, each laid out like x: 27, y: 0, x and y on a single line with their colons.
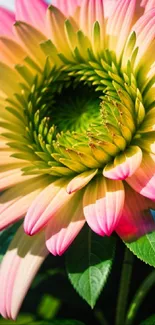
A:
x: 144, y: 248
x: 59, y: 322
x: 89, y: 262
x: 149, y: 321
x: 48, y: 307
x: 22, y: 319
x: 66, y: 322
x: 39, y: 323
x: 6, y: 237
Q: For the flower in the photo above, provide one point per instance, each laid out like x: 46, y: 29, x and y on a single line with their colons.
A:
x: 77, y: 140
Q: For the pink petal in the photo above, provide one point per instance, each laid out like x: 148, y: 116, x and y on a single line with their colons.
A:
x: 32, y: 12
x: 145, y: 33
x: 11, y: 53
x: 46, y: 204
x: 136, y: 219
x: 6, y: 22
x: 91, y: 11
x: 143, y: 3
x: 55, y: 22
x: 19, y: 266
x: 65, y: 225
x: 143, y: 181
x: 103, y: 203
x: 109, y: 6
x: 148, y: 4
x: 30, y: 38
x: 125, y: 164
x: 67, y: 7
x: 7, y: 160
x: 119, y: 24
x: 80, y: 181
x: 12, y: 177
x: 15, y: 202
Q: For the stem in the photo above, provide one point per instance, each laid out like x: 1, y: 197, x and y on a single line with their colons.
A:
x: 124, y: 287
x: 139, y: 297
x: 100, y: 317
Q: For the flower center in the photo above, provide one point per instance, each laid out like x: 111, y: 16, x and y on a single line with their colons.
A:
x: 79, y: 117
x: 74, y: 109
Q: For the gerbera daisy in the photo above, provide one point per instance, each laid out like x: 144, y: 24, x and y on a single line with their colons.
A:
x: 77, y: 140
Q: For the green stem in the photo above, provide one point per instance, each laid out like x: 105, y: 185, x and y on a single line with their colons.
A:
x: 139, y: 297
x: 100, y: 317
x: 124, y: 287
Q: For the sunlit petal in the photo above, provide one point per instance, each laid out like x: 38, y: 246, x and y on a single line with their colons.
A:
x: 103, y: 203
x: 20, y: 264
x: 65, y: 226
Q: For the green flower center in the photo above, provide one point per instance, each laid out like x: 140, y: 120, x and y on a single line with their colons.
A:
x: 79, y: 117
x: 74, y: 109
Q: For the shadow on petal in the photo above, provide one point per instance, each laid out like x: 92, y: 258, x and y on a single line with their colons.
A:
x: 137, y: 218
